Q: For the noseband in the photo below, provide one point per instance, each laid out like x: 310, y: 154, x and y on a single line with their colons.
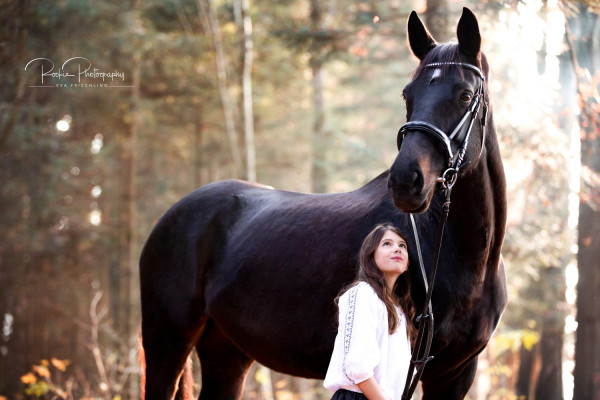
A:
x: 455, y: 160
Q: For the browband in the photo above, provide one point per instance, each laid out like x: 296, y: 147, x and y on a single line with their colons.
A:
x: 464, y: 65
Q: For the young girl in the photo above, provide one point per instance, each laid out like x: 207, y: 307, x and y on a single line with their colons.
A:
x: 372, y: 348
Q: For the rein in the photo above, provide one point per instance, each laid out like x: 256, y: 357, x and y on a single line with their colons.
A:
x: 420, y: 355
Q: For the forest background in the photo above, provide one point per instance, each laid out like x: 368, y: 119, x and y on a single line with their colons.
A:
x: 302, y: 95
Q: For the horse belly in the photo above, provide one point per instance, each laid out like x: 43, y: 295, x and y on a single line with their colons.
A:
x: 272, y: 292
x: 288, y: 328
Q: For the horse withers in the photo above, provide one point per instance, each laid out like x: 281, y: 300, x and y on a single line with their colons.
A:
x: 241, y: 272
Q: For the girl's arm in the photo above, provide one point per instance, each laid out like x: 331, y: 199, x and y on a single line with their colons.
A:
x: 370, y: 388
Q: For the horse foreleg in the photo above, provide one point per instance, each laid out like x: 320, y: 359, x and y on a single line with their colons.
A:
x: 224, y: 366
x: 454, y: 388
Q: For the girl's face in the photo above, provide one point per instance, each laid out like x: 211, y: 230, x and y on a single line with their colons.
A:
x: 391, y: 255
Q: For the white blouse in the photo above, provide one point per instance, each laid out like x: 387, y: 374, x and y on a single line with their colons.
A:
x: 364, y: 348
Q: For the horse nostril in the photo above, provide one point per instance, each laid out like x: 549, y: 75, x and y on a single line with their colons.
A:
x: 418, y: 180
x: 410, y: 182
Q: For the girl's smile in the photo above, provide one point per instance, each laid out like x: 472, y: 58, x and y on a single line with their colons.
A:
x: 391, y: 256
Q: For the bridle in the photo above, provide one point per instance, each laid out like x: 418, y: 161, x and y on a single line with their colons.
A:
x: 455, y: 160
x: 420, y: 354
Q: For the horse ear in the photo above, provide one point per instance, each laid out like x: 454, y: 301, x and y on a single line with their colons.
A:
x: 418, y: 37
x: 469, y: 39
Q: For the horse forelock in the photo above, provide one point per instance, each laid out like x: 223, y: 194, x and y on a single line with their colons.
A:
x: 443, y: 53
x: 447, y: 53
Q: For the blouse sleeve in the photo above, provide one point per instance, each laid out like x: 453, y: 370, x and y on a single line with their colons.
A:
x: 360, y: 321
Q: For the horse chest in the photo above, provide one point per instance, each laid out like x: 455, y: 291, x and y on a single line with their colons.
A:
x: 467, y: 323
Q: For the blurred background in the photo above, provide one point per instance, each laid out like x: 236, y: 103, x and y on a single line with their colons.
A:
x: 302, y: 95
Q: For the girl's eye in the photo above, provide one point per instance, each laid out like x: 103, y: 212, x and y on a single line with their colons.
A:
x: 403, y: 245
x: 466, y: 96
x: 386, y: 243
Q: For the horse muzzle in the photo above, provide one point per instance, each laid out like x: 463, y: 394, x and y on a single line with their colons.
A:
x: 413, y: 176
x: 408, y: 189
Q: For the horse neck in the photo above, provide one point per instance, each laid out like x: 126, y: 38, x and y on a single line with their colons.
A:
x: 477, y: 217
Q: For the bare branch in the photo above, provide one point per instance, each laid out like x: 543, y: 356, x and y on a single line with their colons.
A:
x: 105, y: 386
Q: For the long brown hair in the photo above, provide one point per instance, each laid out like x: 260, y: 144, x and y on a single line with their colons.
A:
x: 369, y: 272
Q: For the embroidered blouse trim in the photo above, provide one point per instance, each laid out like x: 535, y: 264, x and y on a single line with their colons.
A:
x: 348, y: 328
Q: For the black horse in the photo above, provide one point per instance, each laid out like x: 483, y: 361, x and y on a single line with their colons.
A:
x: 242, y: 272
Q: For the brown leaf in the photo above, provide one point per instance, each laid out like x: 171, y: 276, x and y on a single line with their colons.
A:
x: 28, y: 378
x: 41, y: 370
x: 60, y: 364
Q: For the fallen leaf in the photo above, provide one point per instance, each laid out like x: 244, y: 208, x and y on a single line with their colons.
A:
x: 28, y: 378
x: 60, y: 364
x: 41, y: 370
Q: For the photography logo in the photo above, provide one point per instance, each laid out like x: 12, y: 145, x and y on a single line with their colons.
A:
x: 76, y: 72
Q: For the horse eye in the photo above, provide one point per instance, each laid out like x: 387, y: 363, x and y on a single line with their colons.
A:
x: 466, y: 96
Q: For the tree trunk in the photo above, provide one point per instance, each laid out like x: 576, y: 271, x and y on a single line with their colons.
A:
x: 210, y: 25
x: 198, y: 133
x: 436, y: 19
x: 549, y: 383
x: 244, y: 22
x: 15, y: 108
x: 319, y: 143
x: 583, y: 40
x: 131, y: 184
x: 129, y: 227
x: 526, y: 363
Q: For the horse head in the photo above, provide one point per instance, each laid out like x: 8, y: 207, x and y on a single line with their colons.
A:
x: 446, y: 104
